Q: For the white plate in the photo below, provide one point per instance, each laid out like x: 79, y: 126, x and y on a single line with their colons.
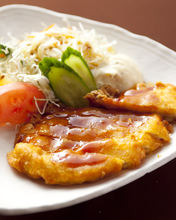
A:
x: 18, y: 194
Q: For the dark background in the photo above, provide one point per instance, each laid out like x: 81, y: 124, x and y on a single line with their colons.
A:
x: 154, y: 195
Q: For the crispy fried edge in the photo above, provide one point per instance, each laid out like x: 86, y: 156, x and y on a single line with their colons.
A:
x: 36, y: 163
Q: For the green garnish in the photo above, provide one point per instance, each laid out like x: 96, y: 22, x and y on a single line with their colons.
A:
x: 68, y: 86
x: 4, y: 51
x: 46, y: 64
x: 69, y: 78
x: 76, y: 62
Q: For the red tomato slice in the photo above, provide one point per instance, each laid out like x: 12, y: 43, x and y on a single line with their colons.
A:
x: 17, y: 102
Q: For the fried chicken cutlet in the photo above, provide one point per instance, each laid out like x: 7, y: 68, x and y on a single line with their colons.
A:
x: 146, y: 97
x: 75, y: 146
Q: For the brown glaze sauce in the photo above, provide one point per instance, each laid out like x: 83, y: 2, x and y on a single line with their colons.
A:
x: 134, y: 92
x: 75, y: 137
x: 140, y: 96
x: 76, y: 160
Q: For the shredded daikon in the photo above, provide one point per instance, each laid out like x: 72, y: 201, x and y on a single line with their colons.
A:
x: 104, y: 62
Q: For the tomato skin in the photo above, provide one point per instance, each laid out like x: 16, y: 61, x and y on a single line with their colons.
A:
x: 17, y: 102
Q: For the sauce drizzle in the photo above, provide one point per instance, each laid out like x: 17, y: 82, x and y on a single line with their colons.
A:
x: 78, y: 137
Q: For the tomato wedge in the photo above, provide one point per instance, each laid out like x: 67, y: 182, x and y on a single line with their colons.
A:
x: 17, y: 102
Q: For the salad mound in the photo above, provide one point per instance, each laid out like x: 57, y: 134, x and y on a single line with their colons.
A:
x: 107, y: 66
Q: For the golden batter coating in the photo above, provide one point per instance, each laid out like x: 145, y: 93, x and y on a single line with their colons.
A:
x: 146, y: 97
x: 75, y: 146
x: 36, y: 163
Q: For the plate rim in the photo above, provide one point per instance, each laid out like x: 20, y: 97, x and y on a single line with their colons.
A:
x: 163, y: 49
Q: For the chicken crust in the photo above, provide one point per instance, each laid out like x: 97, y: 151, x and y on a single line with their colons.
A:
x: 75, y: 146
x: 157, y: 98
x: 37, y: 163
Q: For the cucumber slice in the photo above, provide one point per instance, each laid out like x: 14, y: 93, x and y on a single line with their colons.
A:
x: 75, y: 61
x: 68, y: 86
x: 46, y: 64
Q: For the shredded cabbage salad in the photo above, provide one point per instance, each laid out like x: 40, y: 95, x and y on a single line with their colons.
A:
x: 22, y: 64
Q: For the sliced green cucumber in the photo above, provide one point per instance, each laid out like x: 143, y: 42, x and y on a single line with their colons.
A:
x: 46, y: 64
x: 68, y: 86
x: 75, y: 61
